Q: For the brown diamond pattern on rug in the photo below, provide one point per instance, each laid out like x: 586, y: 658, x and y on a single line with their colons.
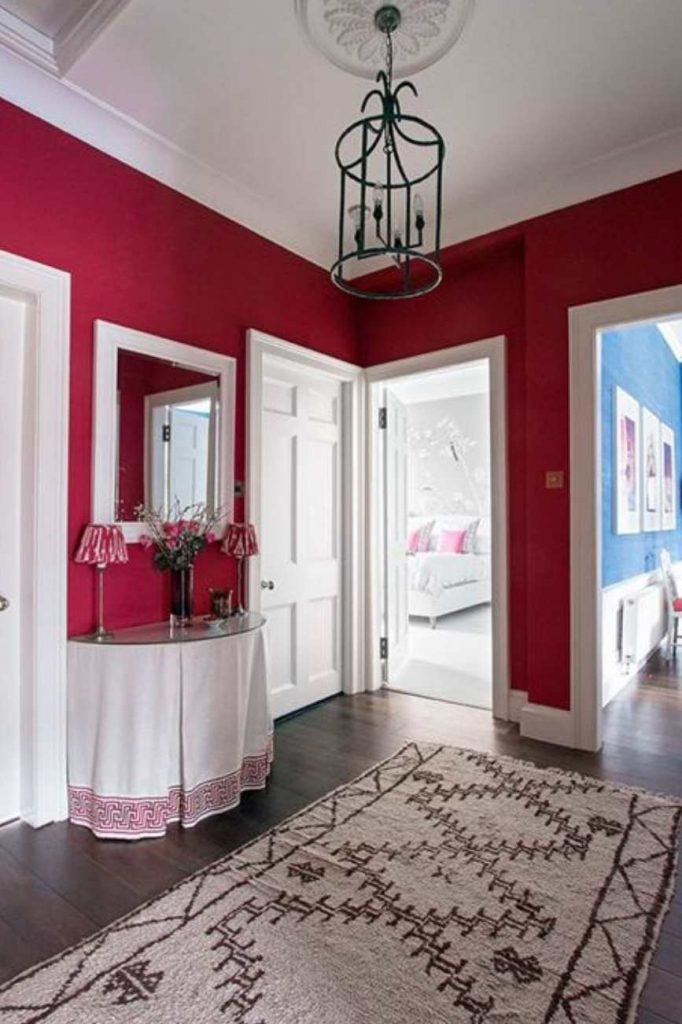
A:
x: 443, y: 885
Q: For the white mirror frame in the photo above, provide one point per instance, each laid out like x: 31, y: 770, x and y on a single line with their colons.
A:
x: 109, y: 340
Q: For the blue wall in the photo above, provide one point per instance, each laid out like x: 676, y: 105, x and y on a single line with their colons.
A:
x: 638, y: 360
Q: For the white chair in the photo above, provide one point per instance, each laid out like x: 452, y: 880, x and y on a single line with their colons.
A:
x: 673, y: 602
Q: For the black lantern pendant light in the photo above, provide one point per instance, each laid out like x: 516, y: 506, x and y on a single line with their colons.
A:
x: 391, y: 167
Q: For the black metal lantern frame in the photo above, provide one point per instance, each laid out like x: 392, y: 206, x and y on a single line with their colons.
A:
x: 395, y: 225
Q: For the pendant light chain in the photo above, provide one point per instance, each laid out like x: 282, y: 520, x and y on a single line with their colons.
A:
x: 389, y: 58
x: 388, y: 142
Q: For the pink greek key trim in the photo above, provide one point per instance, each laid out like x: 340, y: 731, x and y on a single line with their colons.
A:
x: 120, y: 817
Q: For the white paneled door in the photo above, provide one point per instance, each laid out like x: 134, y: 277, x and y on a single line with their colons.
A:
x: 395, y: 533
x: 300, y: 533
x: 12, y: 332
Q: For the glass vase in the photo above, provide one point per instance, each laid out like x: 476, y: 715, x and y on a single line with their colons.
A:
x: 182, y: 596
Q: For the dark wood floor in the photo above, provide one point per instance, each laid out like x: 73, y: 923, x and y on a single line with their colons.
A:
x: 59, y: 884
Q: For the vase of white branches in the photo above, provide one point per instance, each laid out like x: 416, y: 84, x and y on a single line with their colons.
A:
x: 178, y: 539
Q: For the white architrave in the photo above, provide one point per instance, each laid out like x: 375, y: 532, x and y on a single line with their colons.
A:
x: 585, y: 324
x: 260, y: 345
x: 494, y: 350
x: 44, y: 536
x: 109, y: 340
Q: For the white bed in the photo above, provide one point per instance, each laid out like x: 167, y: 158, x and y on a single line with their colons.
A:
x: 441, y: 583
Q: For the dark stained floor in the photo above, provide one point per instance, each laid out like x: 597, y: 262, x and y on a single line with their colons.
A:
x: 59, y: 884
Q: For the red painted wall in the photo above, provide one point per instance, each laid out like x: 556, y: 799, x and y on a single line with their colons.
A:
x: 147, y: 257
x: 629, y: 241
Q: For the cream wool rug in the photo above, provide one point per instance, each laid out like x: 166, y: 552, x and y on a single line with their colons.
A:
x: 442, y: 886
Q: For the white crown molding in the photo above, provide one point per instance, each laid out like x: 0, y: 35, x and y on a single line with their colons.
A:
x: 70, y: 108
x: 56, y: 55
x: 28, y: 42
x: 83, y: 31
x: 77, y: 112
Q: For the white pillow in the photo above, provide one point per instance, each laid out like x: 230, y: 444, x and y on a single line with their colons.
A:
x: 483, y: 541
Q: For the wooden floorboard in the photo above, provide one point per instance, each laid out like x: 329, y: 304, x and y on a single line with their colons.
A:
x: 58, y: 884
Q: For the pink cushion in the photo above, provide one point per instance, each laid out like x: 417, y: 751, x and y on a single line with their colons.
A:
x: 677, y: 604
x: 452, y: 541
x: 418, y: 540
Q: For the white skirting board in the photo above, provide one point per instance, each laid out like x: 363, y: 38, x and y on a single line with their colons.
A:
x: 550, y: 725
x: 541, y: 722
x: 517, y: 701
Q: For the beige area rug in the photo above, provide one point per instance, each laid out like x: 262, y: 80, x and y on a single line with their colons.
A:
x: 443, y: 885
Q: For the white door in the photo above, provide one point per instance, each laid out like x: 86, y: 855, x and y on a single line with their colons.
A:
x: 395, y: 533
x: 300, y: 533
x: 181, y: 428
x: 188, y: 457
x: 12, y: 332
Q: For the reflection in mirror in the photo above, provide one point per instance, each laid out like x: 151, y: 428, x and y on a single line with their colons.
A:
x: 167, y: 438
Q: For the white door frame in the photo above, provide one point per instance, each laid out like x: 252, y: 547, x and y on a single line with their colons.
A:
x: 44, y: 535
x: 494, y: 350
x: 259, y: 346
x: 585, y: 324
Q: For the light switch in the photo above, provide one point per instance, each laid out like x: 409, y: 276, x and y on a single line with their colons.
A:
x: 554, y: 479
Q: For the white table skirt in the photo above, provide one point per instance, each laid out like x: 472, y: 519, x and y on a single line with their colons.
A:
x: 165, y: 732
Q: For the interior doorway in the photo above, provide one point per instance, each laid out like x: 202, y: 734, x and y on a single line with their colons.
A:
x: 14, y: 314
x: 435, y: 493
x: 34, y: 361
x: 439, y: 521
x: 625, y: 492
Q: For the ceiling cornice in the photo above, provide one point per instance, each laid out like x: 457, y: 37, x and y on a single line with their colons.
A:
x: 77, y: 112
x: 56, y: 55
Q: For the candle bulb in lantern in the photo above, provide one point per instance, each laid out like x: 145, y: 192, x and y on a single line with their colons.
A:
x: 419, y: 212
x: 356, y: 215
x: 398, y: 235
x: 378, y: 202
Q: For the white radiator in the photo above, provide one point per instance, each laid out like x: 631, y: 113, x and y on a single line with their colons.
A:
x: 643, y: 624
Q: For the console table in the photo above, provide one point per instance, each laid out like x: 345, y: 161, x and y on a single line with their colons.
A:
x: 166, y: 724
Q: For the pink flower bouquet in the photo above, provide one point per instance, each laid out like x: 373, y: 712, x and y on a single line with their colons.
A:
x: 178, y: 539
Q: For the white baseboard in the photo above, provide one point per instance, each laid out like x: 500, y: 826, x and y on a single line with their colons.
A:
x: 517, y: 701
x: 550, y: 725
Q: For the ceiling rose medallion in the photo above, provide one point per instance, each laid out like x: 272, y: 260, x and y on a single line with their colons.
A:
x: 345, y: 31
x: 390, y: 161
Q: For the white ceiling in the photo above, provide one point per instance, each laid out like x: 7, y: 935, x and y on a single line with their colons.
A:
x: 456, y: 382
x: 541, y: 103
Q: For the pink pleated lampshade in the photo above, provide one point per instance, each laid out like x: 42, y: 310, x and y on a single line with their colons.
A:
x: 240, y: 540
x: 102, y: 545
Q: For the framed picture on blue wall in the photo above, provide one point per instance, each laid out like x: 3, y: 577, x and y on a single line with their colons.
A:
x: 668, y: 479
x: 651, y: 471
x: 627, y: 463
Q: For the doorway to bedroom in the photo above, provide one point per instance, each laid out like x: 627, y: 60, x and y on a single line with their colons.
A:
x: 435, y: 491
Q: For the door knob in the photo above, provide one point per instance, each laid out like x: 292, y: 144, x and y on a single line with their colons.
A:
x: 4, y: 603
x: 267, y: 584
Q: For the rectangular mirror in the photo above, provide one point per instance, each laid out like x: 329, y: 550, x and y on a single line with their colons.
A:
x: 163, y: 426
